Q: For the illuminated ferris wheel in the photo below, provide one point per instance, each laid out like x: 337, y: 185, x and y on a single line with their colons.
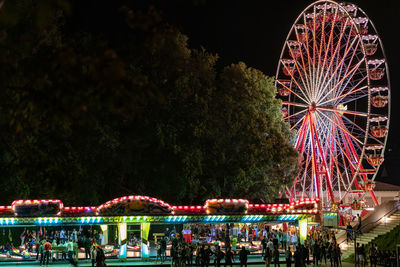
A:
x: 333, y: 81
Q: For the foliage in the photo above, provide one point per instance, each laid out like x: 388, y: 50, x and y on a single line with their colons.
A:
x: 85, y: 118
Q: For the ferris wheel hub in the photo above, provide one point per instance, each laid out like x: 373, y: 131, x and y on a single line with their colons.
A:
x: 312, y: 107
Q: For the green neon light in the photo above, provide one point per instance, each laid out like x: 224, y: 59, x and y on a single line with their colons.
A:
x: 147, y: 219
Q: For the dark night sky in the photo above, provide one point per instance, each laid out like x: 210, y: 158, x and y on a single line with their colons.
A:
x: 252, y: 32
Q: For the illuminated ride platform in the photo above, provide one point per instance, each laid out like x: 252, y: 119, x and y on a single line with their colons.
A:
x: 143, y: 209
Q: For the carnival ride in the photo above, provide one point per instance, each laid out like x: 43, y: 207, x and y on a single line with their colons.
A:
x: 333, y: 81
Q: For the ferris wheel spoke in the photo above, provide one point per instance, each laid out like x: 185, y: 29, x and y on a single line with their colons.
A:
x: 350, y: 144
x: 322, y: 40
x: 347, y: 47
x: 303, y: 67
x: 302, y: 135
x: 308, y: 53
x: 351, y: 72
x: 339, y: 145
x: 294, y: 114
x: 342, y: 127
x: 324, y: 85
x: 295, y: 104
x: 363, y: 131
x: 342, y: 96
x: 334, y: 158
x: 297, y: 123
x: 350, y: 112
x: 326, y: 47
x: 322, y: 158
x: 298, y: 85
x: 291, y: 90
x: 350, y: 150
x: 347, y: 70
x: 336, y: 52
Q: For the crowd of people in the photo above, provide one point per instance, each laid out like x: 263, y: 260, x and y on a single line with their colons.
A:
x: 375, y: 256
x: 203, y: 245
x: 59, y: 245
x: 213, y: 246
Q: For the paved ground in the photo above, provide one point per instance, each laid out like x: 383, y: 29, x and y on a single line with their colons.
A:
x: 253, y: 261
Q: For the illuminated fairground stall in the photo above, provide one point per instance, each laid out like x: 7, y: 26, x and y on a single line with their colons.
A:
x: 129, y: 226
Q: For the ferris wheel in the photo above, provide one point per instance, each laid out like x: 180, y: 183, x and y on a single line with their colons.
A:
x: 333, y: 81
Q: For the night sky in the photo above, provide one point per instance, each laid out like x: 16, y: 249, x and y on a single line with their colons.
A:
x: 252, y: 32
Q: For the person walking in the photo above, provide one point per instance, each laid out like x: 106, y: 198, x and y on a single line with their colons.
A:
x: 243, y: 257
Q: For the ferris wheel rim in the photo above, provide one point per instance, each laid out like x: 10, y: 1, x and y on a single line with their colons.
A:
x: 340, y: 5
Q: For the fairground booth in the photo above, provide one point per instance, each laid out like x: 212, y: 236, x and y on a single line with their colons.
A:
x: 132, y: 226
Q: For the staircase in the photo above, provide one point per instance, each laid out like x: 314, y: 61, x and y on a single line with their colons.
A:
x: 383, y: 227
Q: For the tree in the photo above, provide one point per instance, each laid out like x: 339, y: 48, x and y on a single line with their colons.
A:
x: 85, y: 118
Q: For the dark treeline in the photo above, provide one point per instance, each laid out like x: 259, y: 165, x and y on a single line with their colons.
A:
x: 85, y: 119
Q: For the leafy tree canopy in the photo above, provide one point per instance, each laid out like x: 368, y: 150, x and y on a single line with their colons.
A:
x: 86, y: 119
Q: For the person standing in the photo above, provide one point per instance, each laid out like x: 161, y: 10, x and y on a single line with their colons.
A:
x: 349, y: 232
x: 263, y: 246
x: 227, y: 242
x: 357, y: 252
x: 297, y: 258
x: 93, y: 252
x: 163, y: 247
x: 219, y: 255
x: 70, y: 249
x: 288, y: 256
x: 87, y: 244
x: 316, y: 253
x: 41, y: 251
x: 372, y: 254
x: 338, y: 255
x: 276, y: 257
x: 359, y: 223
x: 284, y: 240
x: 362, y: 255
x: 100, y: 257
x: 47, y: 251
x: 268, y: 256
x: 234, y: 244
x: 243, y: 257
x: 228, y: 257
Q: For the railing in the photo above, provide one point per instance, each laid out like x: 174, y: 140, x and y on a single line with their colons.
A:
x: 372, y: 224
x: 376, y: 222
